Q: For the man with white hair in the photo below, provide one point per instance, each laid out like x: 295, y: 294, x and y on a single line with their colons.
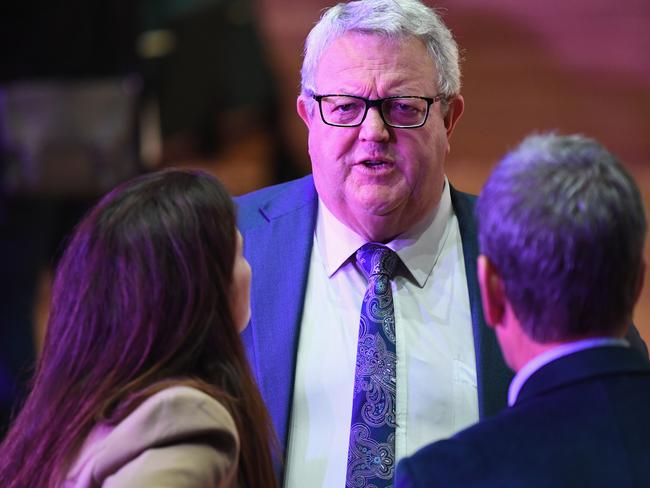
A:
x: 367, y: 335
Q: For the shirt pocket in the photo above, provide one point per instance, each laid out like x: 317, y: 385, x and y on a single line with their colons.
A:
x: 465, y: 393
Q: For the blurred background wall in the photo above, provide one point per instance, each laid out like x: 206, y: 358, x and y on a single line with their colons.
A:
x: 211, y: 84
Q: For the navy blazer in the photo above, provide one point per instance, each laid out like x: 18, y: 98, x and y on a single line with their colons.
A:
x: 581, y: 420
x: 277, y: 224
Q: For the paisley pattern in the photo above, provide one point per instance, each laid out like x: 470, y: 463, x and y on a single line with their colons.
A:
x: 371, y: 454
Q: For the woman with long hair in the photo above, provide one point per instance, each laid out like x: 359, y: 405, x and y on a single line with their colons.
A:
x: 143, y: 379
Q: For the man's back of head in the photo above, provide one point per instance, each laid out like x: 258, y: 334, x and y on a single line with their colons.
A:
x: 562, y: 223
x: 561, y: 230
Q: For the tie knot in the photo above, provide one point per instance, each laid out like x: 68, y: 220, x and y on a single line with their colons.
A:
x: 377, y: 259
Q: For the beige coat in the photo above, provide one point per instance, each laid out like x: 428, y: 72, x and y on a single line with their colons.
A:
x: 179, y: 437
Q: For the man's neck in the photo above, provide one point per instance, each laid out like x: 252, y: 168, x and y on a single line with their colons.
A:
x: 385, y: 228
x: 530, y: 349
x: 551, y: 354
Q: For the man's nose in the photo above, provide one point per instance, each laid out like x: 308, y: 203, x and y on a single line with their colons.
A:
x: 373, y: 127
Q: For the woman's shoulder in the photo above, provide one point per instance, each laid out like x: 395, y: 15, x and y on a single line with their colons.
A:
x: 197, y: 409
x: 179, y: 423
x: 172, y: 414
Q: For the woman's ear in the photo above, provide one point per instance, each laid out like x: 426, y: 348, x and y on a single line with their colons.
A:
x: 640, y: 281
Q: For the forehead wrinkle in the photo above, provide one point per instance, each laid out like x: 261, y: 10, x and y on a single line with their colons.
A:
x: 384, y: 85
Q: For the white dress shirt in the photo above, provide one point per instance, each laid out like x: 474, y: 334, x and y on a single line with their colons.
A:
x: 436, y: 368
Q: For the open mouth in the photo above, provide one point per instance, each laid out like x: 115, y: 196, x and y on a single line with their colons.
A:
x: 374, y: 164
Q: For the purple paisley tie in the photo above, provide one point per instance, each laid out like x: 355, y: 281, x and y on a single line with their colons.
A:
x: 371, y: 453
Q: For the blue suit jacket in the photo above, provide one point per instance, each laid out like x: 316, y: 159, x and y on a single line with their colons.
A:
x: 581, y: 420
x: 277, y: 224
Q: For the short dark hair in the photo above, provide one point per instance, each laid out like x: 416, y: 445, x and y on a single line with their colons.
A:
x: 563, y: 223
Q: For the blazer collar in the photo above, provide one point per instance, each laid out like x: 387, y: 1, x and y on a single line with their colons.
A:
x: 581, y: 365
x: 278, y: 245
x: 492, y: 374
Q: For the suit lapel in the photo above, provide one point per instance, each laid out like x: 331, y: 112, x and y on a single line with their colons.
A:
x: 492, y: 375
x: 278, y: 247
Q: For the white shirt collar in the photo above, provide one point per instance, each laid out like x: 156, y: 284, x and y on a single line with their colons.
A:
x: 551, y: 355
x: 415, y: 247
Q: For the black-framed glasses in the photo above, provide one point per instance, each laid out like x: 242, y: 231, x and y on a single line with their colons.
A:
x: 399, y: 112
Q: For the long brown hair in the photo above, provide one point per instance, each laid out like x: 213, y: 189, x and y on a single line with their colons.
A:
x: 140, y: 300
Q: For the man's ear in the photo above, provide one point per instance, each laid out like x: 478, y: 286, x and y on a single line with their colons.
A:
x: 493, y: 294
x: 303, y: 106
x: 454, y: 111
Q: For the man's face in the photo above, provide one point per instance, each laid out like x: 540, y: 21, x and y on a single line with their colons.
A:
x: 378, y: 180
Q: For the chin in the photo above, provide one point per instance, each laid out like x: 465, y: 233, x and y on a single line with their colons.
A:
x: 382, y: 207
x: 378, y: 199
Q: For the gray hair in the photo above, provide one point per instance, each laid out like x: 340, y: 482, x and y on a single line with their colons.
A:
x: 563, y: 223
x: 394, y: 19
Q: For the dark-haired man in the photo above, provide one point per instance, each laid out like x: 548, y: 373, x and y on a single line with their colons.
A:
x: 560, y: 270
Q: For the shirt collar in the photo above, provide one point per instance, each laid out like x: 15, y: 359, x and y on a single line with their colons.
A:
x: 418, y: 248
x: 336, y: 241
x: 551, y: 355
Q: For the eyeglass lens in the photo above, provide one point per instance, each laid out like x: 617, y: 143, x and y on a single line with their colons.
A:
x: 342, y: 110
